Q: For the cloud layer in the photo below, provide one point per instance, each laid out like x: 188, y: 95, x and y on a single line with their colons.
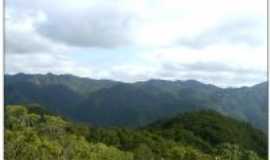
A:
x: 219, y: 42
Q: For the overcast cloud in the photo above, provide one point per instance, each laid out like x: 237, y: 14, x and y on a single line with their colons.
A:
x: 219, y: 42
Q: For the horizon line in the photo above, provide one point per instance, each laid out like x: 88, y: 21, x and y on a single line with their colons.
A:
x: 126, y: 82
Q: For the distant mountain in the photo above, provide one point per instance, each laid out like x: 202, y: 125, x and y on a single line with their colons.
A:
x: 248, y: 103
x: 80, y: 85
x: 57, y: 98
x: 110, y: 103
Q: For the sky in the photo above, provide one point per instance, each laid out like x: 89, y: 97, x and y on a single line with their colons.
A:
x: 221, y: 42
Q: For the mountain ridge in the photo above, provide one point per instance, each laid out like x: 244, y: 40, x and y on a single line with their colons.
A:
x: 111, y: 103
x: 21, y: 74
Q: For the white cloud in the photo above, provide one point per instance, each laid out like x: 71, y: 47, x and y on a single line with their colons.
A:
x: 221, y: 42
x: 45, y: 63
x: 99, y: 26
x: 143, y: 23
x: 21, y: 36
x: 220, y: 65
x: 164, y: 22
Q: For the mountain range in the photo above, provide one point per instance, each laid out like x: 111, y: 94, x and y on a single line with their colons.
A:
x: 110, y: 103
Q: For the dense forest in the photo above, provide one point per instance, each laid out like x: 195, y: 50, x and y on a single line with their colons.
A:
x: 33, y: 133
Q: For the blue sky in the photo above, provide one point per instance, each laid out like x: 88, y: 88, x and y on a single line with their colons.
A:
x: 219, y: 42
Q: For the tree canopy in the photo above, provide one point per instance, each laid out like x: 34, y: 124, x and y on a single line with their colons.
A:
x: 31, y: 134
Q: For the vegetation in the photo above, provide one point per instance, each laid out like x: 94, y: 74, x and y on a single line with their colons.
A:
x: 34, y: 134
x: 29, y: 136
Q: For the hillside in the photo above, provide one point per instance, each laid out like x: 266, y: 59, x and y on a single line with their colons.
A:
x: 110, y: 103
x: 35, y: 136
x: 214, y: 129
x: 33, y: 133
x: 82, y: 86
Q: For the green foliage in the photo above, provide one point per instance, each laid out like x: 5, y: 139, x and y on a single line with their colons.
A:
x: 32, y: 137
x: 38, y: 136
x: 206, y: 129
x: 143, y: 152
x: 234, y: 152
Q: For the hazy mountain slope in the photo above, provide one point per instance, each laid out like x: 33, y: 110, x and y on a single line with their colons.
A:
x: 80, y: 85
x: 56, y: 98
x: 127, y: 105
x: 247, y: 103
x: 137, y: 104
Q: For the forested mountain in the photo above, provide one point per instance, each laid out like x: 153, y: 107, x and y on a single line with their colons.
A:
x: 83, y: 86
x: 109, y: 103
x: 33, y: 133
